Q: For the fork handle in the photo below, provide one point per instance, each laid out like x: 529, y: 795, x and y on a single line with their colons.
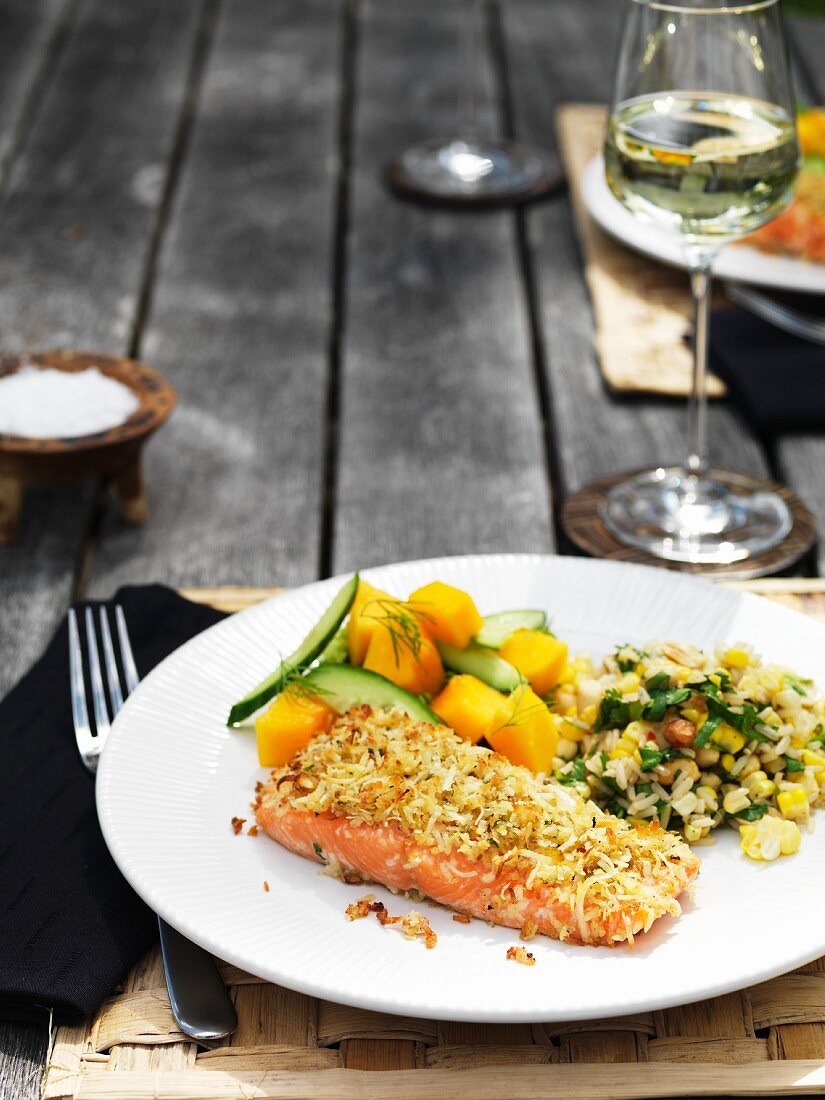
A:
x: 200, y: 1002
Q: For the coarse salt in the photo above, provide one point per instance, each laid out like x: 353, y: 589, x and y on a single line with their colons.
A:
x: 44, y: 403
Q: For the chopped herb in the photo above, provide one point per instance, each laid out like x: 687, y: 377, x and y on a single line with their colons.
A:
x: 652, y: 758
x: 709, y: 727
x: 574, y: 774
x: 799, y: 685
x: 628, y: 657
x: 661, y: 700
x: 745, y: 721
x: 610, y: 782
x: 752, y: 812
x: 616, y: 808
x: 616, y: 712
x: 793, y: 765
x: 659, y: 682
x: 319, y: 851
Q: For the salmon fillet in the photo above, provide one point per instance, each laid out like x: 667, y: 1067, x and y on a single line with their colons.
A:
x: 415, y: 808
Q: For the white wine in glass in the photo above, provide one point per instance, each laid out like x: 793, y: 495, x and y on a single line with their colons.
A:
x: 701, y: 141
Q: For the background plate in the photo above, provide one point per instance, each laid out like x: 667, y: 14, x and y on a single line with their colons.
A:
x: 172, y: 776
x: 740, y: 262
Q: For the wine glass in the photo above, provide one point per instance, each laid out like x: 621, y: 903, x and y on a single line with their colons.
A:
x: 469, y: 167
x: 701, y: 142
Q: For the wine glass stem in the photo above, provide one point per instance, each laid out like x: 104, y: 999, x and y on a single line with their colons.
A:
x: 700, y: 279
x: 471, y: 34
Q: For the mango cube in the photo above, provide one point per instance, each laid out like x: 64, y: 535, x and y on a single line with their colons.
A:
x: 523, y: 730
x: 467, y: 706
x: 538, y: 656
x: 288, y: 725
x: 369, y: 607
x: 411, y: 661
x: 446, y: 613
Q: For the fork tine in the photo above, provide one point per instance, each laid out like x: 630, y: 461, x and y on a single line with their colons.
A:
x: 129, y: 668
x: 80, y: 713
x: 98, y: 698
x: 110, y: 663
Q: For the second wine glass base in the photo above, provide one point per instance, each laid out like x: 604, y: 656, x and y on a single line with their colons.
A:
x: 469, y: 170
x: 679, y: 515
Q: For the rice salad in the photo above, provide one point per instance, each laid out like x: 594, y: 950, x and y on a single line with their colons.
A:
x: 695, y: 739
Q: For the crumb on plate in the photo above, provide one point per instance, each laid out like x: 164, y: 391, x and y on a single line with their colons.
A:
x: 237, y: 824
x: 521, y: 955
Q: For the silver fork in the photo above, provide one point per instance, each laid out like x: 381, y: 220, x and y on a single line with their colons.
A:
x: 200, y: 1003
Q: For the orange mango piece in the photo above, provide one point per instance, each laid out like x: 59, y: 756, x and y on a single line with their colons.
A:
x: 523, y: 730
x: 288, y: 725
x: 368, y: 608
x: 467, y: 706
x: 539, y: 657
x: 446, y: 613
x: 416, y: 667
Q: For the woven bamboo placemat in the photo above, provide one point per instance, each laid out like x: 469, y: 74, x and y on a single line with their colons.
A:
x: 765, y: 1041
x: 643, y: 309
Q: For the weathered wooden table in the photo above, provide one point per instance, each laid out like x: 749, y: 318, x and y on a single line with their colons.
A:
x: 200, y: 183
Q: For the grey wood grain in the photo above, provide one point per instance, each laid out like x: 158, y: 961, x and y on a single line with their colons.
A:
x: 555, y: 54
x: 440, y: 439
x: 76, y: 223
x: 801, y: 457
x: 31, y: 32
x: 22, y: 1060
x: 241, y: 314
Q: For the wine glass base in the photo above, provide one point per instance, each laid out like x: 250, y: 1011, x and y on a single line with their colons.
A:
x: 683, y: 516
x: 474, y: 171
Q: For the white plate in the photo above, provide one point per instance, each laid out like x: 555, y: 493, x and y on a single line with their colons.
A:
x: 172, y: 776
x: 739, y: 262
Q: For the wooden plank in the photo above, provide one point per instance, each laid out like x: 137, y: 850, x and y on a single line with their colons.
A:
x: 801, y: 457
x: 241, y: 314
x: 554, y: 55
x: 615, y: 1081
x: 440, y: 448
x: 76, y: 223
x: 31, y: 32
x: 98, y: 97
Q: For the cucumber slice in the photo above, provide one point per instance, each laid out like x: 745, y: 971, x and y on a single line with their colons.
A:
x: 311, y: 647
x: 481, y: 663
x: 344, y: 686
x: 498, y: 628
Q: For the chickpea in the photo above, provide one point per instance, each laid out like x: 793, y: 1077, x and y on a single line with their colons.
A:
x: 680, y: 732
x: 706, y: 758
x: 666, y: 772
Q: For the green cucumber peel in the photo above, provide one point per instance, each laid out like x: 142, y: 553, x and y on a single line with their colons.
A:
x: 497, y: 628
x: 308, y: 651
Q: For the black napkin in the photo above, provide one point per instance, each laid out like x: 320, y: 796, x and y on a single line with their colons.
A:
x: 70, y: 926
x: 776, y: 380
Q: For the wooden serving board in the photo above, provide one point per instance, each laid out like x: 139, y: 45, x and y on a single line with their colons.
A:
x: 765, y: 1041
x: 643, y: 309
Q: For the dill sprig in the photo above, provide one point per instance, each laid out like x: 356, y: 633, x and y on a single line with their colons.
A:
x: 521, y: 712
x: 403, y: 624
x: 292, y: 684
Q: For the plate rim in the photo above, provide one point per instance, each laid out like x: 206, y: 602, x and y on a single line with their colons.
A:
x: 385, y: 1003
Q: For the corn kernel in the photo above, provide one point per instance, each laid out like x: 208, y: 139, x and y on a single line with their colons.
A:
x: 793, y: 803
x: 589, y: 715
x: 698, y: 717
x: 628, y: 683
x: 798, y: 742
x: 770, y: 838
x: 570, y: 731
x: 736, y: 658
x: 813, y: 759
x: 728, y: 761
x: 727, y: 738
x: 736, y: 800
x: 692, y: 833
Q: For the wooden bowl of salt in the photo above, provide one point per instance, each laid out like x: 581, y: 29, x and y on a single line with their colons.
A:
x: 67, y: 415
